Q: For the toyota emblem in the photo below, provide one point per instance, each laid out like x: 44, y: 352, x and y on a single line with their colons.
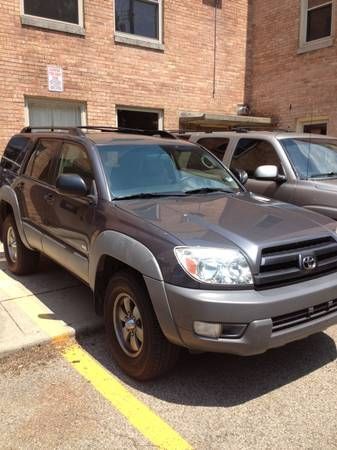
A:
x: 308, y: 262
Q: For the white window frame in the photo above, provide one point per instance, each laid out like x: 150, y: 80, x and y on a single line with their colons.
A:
x: 311, y: 121
x: 47, y: 100
x: 51, y: 24
x: 160, y: 113
x: 327, y: 41
x: 143, y: 41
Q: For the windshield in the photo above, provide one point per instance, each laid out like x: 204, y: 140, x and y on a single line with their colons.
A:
x: 312, y: 158
x: 137, y: 170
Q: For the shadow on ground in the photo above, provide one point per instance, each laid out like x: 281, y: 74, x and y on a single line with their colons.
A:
x: 227, y: 380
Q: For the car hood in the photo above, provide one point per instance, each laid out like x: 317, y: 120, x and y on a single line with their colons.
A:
x: 244, y: 220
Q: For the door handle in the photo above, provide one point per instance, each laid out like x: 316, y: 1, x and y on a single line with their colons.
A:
x: 20, y: 185
x: 49, y: 198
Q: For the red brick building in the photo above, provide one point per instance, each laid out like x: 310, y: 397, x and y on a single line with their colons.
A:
x: 166, y: 63
x: 143, y: 61
x: 293, y: 75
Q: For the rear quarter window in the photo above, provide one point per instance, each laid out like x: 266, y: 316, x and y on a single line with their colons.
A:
x: 14, y: 153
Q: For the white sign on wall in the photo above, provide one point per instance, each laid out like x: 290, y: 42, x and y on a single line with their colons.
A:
x: 55, y: 78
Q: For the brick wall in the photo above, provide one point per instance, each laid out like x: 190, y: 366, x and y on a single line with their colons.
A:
x: 104, y: 74
x: 282, y: 82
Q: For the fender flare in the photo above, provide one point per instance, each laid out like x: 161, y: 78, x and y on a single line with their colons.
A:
x: 137, y: 256
x: 8, y: 195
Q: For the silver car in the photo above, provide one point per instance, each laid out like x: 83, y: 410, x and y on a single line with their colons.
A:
x: 291, y: 167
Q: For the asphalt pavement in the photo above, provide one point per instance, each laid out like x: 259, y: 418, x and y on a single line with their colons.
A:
x: 284, y: 399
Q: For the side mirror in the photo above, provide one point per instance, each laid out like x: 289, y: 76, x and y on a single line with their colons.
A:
x: 241, y: 175
x: 71, y: 184
x: 268, y: 173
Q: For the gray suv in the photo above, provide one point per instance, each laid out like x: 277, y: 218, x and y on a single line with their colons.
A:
x: 176, y: 251
x: 295, y: 168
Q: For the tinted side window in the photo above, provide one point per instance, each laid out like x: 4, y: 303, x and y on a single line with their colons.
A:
x: 14, y: 153
x: 42, y: 160
x: 252, y: 153
x: 216, y: 145
x: 74, y: 159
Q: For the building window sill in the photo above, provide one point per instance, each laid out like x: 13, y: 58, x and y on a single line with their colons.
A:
x: 138, y: 41
x: 316, y: 45
x: 48, y: 24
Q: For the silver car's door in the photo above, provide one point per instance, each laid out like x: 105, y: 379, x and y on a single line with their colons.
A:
x: 251, y: 153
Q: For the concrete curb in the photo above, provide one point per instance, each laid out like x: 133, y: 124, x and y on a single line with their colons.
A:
x: 36, y: 341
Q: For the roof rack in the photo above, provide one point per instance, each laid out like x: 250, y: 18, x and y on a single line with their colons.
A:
x: 78, y: 130
x: 71, y: 130
x: 160, y: 133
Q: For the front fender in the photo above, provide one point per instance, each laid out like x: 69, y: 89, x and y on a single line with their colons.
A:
x: 135, y: 255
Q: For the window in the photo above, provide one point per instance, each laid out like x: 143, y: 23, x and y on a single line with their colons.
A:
x: 53, y: 113
x: 316, y: 24
x: 315, y: 128
x: 252, y: 153
x: 312, y: 158
x: 14, y: 153
x: 143, y: 119
x: 139, y: 19
x: 62, y: 15
x: 169, y: 169
x: 314, y: 125
x: 216, y: 145
x: 74, y: 159
x: 42, y: 159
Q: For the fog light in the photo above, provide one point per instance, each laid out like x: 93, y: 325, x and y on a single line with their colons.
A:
x: 233, y: 330
x: 211, y: 330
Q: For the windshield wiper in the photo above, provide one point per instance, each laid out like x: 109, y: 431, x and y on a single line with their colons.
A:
x: 150, y: 195
x: 323, y: 175
x: 208, y: 190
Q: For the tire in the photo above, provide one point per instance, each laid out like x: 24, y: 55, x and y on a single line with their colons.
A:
x: 20, y: 260
x: 155, y: 355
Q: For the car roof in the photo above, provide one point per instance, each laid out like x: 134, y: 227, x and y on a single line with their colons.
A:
x: 107, y: 137
x: 258, y: 134
x: 113, y: 138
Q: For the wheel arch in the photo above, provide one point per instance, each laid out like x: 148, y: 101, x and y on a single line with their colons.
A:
x: 113, y: 251
x: 9, y: 205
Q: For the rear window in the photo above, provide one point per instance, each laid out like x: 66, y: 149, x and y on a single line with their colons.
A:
x: 14, y: 153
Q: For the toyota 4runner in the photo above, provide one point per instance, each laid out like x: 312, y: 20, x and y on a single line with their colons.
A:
x: 175, y: 250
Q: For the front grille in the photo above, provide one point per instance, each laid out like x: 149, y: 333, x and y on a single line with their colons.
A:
x: 303, y: 316
x: 282, y: 264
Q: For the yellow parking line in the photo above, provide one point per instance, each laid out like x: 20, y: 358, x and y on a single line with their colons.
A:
x: 138, y: 414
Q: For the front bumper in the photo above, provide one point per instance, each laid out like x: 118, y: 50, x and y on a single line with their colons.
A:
x: 254, y: 308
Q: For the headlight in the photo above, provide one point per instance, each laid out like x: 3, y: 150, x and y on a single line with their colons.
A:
x: 215, y: 265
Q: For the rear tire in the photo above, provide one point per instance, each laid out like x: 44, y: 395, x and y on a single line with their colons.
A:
x: 20, y: 260
x: 133, y: 334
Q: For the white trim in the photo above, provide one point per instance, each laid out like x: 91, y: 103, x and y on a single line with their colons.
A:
x: 327, y: 41
x: 52, y: 24
x: 135, y: 39
x: 160, y: 113
x: 47, y: 101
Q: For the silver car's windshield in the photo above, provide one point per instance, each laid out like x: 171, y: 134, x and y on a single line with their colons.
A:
x: 312, y: 158
x: 160, y: 170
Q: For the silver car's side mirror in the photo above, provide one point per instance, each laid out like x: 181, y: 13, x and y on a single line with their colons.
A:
x: 266, y: 173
